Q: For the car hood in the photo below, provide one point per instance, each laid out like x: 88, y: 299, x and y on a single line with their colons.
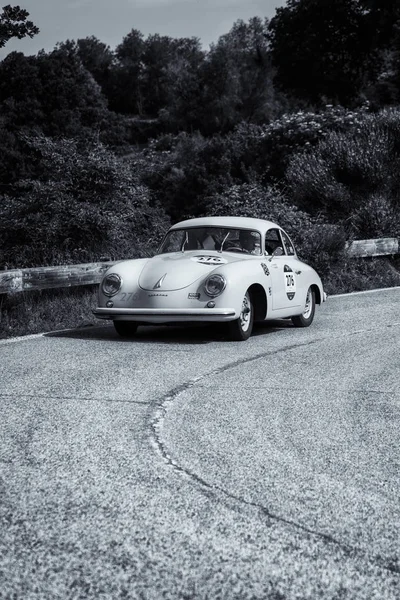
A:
x: 167, y: 272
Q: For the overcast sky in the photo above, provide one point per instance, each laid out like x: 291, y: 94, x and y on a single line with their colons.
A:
x: 111, y: 20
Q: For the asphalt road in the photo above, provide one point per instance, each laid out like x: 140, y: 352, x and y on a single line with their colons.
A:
x: 181, y: 466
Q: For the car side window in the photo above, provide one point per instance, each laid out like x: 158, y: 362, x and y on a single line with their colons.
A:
x: 288, y: 244
x: 273, y: 241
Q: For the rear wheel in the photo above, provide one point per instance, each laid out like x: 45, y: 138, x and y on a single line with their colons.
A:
x: 307, y: 317
x: 240, y: 329
x: 125, y: 329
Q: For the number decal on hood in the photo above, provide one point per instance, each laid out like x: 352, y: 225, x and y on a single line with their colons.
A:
x: 209, y: 260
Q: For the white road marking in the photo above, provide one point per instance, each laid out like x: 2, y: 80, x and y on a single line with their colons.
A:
x: 364, y: 292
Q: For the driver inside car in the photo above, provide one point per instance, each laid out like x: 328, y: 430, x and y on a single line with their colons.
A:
x: 247, y: 243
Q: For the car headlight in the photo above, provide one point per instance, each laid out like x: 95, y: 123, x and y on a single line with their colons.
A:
x: 111, y: 284
x: 215, y: 285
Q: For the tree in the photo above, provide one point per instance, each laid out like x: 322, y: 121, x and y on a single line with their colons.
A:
x: 13, y: 23
x: 98, y: 59
x: 320, y: 49
x: 169, y: 65
x: 383, y: 29
x: 51, y: 91
x: 183, y: 86
x: 127, y: 95
x: 382, y: 19
x: 237, y: 78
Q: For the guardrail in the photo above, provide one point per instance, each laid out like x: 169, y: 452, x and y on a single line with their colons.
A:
x: 40, y: 278
x: 378, y: 247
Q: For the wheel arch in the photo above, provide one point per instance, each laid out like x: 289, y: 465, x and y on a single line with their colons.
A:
x: 317, y: 292
x: 259, y: 300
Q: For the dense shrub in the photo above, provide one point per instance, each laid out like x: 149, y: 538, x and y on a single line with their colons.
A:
x: 318, y: 243
x: 271, y: 146
x: 353, y: 176
x: 183, y: 170
x: 85, y: 203
x: 354, y: 275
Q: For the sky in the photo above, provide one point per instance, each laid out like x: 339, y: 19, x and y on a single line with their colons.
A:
x: 111, y: 20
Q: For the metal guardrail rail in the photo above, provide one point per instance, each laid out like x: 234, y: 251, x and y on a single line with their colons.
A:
x: 40, y: 278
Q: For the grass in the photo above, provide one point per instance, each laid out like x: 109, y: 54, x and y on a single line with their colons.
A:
x: 40, y: 311
x: 357, y: 275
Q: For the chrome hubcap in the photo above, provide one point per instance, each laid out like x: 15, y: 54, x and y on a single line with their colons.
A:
x: 245, y: 313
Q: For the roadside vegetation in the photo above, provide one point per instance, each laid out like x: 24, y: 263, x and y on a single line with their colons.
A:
x: 101, y: 149
x: 46, y: 310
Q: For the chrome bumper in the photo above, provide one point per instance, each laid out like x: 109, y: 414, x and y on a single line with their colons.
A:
x: 165, y: 315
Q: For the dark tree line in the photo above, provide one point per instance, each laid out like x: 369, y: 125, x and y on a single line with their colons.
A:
x: 337, y: 50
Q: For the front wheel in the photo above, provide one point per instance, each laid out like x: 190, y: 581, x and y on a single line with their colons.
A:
x: 307, y: 317
x: 240, y: 329
x: 125, y: 329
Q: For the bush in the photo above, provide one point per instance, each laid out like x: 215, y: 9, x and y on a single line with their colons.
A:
x: 318, y: 243
x: 37, y: 311
x: 184, y: 170
x: 86, y: 203
x: 270, y: 147
x: 353, y: 177
x: 354, y: 275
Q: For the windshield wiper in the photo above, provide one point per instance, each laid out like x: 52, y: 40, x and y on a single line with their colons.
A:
x: 185, y: 241
x: 223, y: 241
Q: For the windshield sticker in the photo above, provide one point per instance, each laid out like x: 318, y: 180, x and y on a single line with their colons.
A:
x: 290, y: 282
x: 209, y: 260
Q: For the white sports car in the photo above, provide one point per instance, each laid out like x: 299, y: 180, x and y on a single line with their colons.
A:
x: 226, y: 269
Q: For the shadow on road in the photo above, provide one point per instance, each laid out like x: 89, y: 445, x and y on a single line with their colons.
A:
x: 185, y: 334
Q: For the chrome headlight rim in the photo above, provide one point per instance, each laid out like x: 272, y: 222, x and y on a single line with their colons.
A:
x: 117, y: 281
x: 222, y: 280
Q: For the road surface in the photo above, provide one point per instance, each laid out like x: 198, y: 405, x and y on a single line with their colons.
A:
x: 180, y: 465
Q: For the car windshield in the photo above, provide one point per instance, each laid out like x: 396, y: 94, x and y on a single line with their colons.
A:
x: 212, y: 238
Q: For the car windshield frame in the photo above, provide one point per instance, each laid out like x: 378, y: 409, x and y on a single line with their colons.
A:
x: 192, y: 236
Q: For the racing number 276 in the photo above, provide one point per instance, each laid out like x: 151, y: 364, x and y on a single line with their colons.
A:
x: 289, y: 280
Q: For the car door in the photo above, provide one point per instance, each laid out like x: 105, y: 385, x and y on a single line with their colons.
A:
x: 282, y: 269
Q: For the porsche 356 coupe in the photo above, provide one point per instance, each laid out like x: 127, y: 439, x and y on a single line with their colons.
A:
x: 234, y: 270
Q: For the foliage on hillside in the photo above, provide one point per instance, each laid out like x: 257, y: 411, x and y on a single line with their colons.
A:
x: 84, y: 203
x: 100, y: 147
x: 318, y: 242
x: 353, y: 176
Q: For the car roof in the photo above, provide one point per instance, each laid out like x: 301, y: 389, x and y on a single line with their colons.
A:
x: 234, y: 222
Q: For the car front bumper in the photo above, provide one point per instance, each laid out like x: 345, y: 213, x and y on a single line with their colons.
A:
x: 167, y: 315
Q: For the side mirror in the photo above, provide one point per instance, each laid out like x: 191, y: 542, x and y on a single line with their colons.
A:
x: 277, y: 252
